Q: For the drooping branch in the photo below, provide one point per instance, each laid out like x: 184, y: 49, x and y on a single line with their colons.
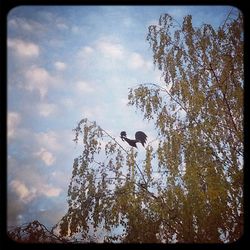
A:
x: 113, y: 139
x: 224, y: 98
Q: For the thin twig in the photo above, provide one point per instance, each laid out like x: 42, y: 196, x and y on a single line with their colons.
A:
x: 226, y: 18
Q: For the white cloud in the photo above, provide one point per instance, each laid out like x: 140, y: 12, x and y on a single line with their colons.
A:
x: 23, y: 49
x: 110, y: 49
x: 23, y: 191
x: 84, y: 87
x: 47, y: 157
x: 27, y: 25
x: 47, y: 109
x: 136, y: 61
x: 50, y: 140
x: 62, y: 26
x: 60, y: 65
x: 20, y: 23
x: 14, y: 119
x: 26, y: 194
x: 39, y: 79
x: 50, y: 191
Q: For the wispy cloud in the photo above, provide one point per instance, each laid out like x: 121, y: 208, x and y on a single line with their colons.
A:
x: 61, y: 25
x: 136, y: 61
x: 110, y: 49
x: 50, y: 191
x: 39, y: 79
x: 60, y: 65
x: 49, y: 139
x: 22, y: 191
x: 47, y: 157
x: 26, y: 194
x: 53, y: 20
x: 47, y: 109
x: 14, y: 119
x: 23, y: 48
x: 26, y: 25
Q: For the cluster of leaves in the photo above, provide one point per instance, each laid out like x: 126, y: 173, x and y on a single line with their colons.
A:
x: 199, y: 118
x: 108, y: 194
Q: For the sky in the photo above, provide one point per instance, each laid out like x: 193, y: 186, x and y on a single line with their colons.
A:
x: 65, y: 63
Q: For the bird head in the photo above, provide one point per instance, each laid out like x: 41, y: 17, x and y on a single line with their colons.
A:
x: 123, y: 134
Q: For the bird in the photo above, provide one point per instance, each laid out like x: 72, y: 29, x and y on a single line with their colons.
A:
x: 139, y: 137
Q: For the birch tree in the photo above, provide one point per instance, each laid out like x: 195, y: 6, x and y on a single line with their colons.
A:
x: 198, y: 115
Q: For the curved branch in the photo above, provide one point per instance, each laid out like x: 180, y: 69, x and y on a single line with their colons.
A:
x: 112, y: 138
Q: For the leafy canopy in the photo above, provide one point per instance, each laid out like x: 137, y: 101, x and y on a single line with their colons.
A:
x: 198, y: 115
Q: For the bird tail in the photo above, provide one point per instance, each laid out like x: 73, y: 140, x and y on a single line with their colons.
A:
x: 141, y: 137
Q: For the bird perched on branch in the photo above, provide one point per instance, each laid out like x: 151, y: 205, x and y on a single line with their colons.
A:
x: 139, y: 137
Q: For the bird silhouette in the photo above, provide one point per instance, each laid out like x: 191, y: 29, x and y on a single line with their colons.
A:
x: 139, y: 137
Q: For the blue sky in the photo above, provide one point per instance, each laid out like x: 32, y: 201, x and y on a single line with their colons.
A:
x: 65, y: 64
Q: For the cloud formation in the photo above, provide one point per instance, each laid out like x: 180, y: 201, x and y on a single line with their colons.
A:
x: 26, y: 25
x: 39, y: 79
x: 47, y: 109
x: 60, y: 65
x: 138, y: 62
x: 49, y: 139
x: 110, y: 49
x: 14, y: 119
x: 23, y: 49
x: 47, y: 157
x: 50, y: 191
x: 22, y: 191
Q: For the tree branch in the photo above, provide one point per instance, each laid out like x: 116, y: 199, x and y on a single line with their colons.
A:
x: 224, y: 98
x: 112, y: 138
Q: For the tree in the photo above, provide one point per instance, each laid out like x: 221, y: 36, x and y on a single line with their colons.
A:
x: 198, y: 114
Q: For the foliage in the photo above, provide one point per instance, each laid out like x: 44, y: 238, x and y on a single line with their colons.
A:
x: 199, y: 117
x: 108, y: 194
